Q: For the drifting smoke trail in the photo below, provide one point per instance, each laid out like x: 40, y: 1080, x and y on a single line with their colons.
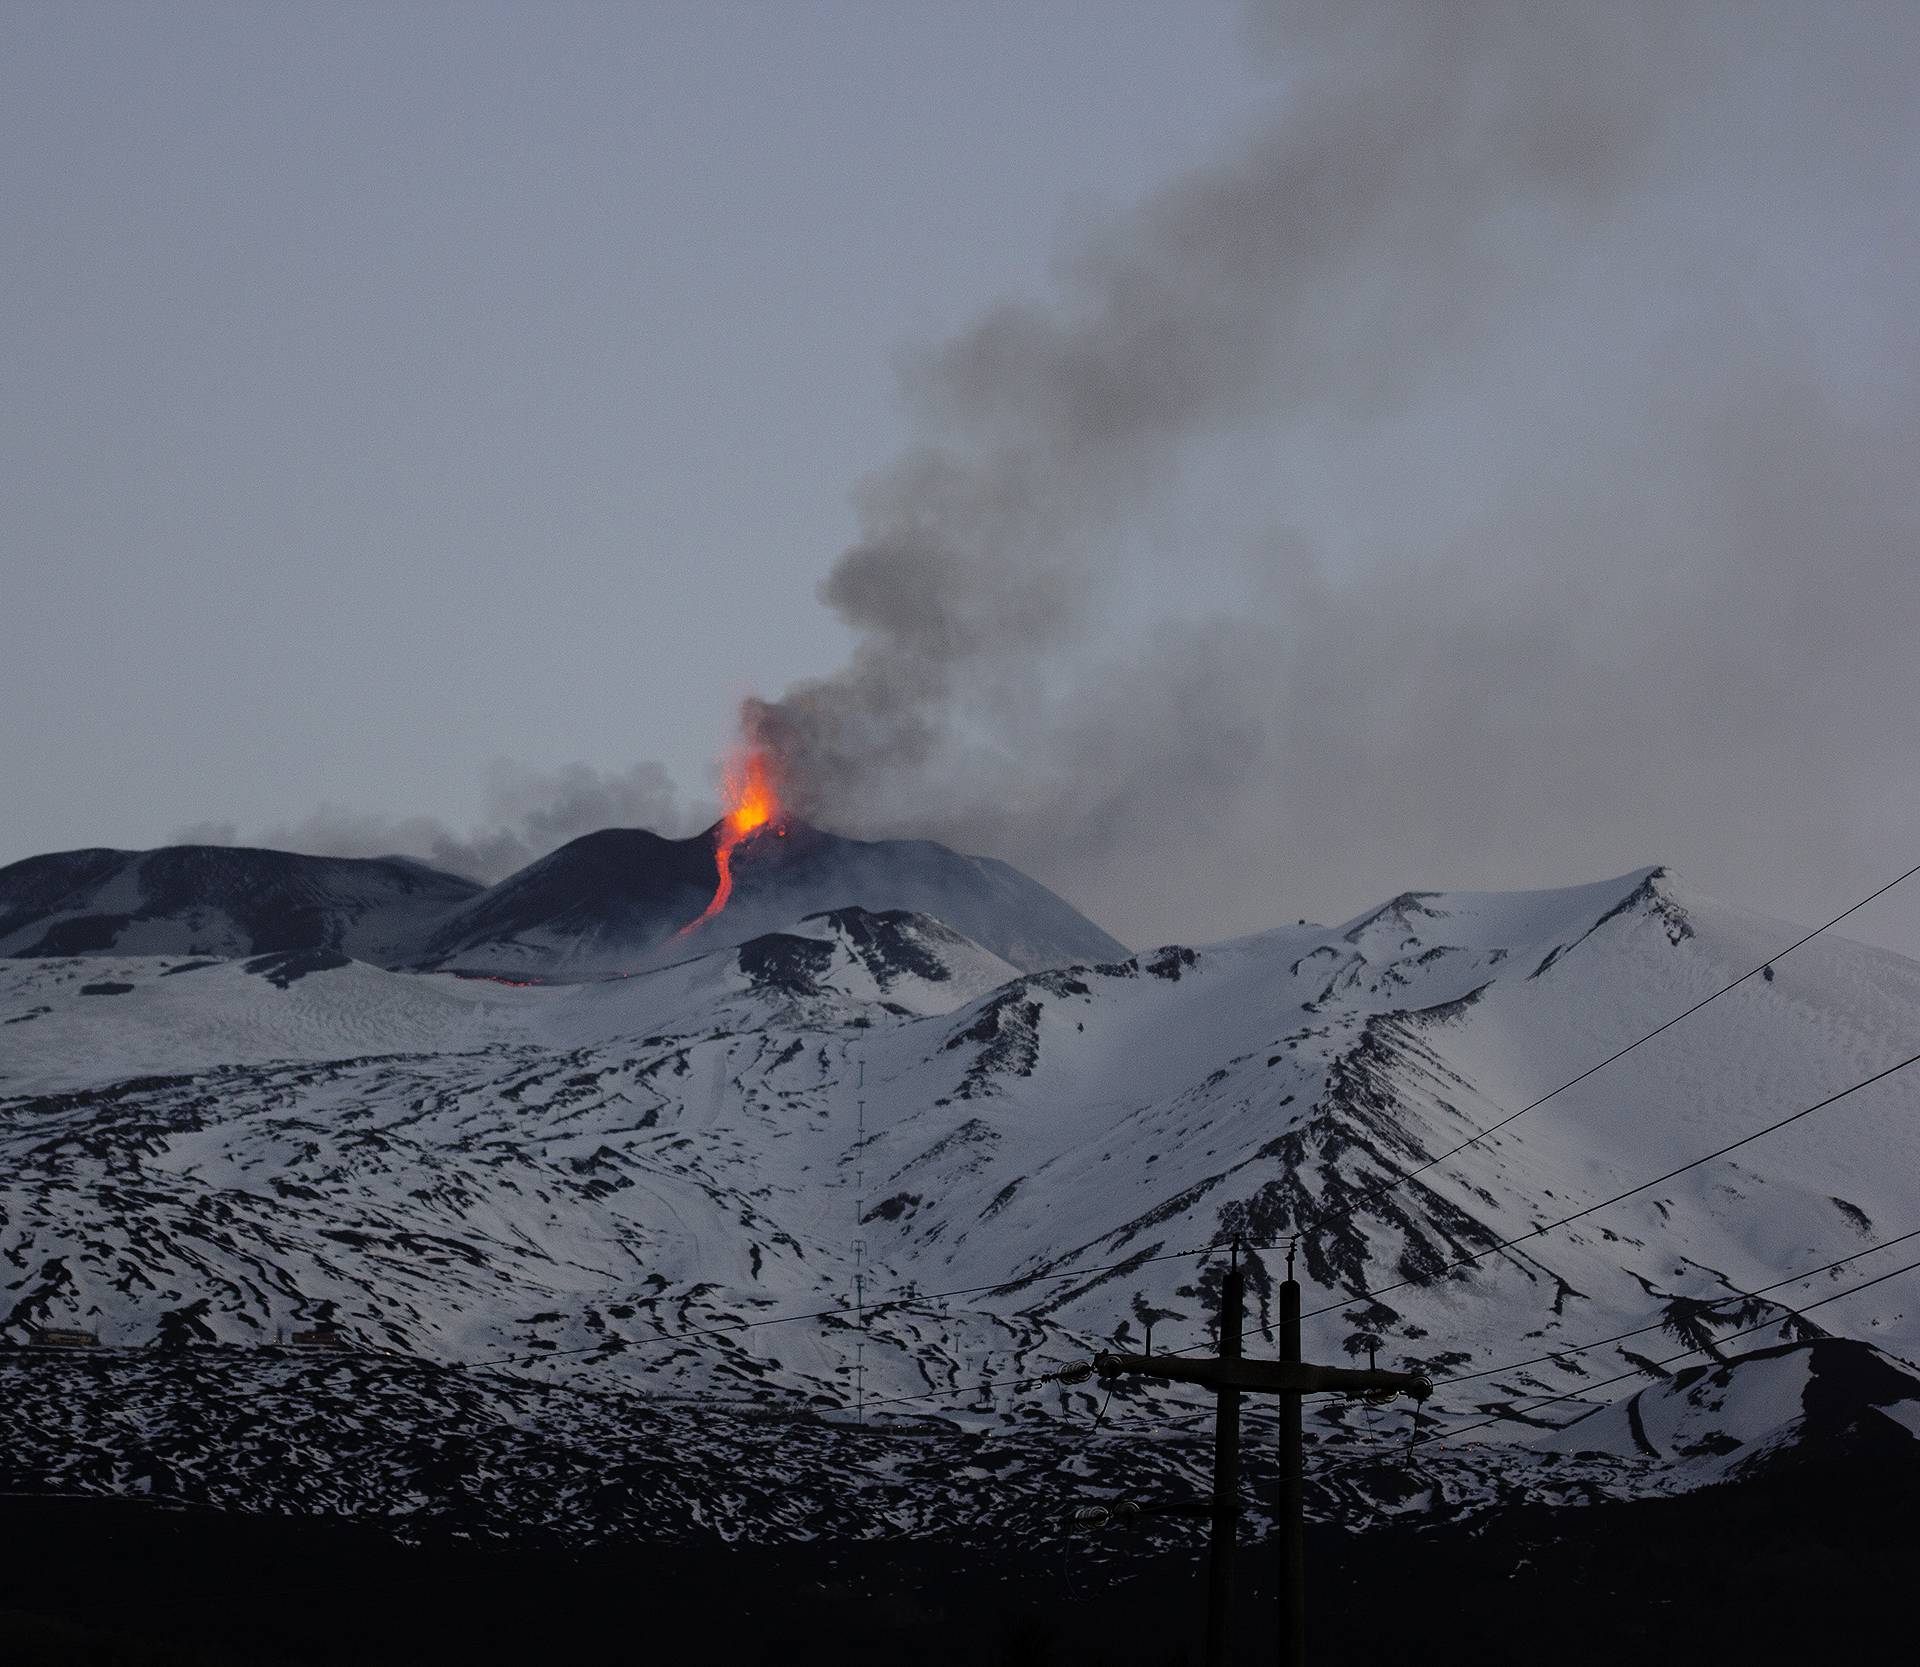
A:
x: 1543, y: 319
x: 528, y: 813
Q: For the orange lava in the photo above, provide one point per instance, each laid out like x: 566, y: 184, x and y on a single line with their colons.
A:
x: 753, y: 802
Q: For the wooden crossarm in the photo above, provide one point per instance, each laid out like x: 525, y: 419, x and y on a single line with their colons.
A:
x: 1262, y: 1377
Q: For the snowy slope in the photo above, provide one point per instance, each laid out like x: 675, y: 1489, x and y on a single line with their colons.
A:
x: 464, y: 1171
x: 1722, y: 1417
x: 608, y: 903
x: 217, y: 900
x: 616, y: 901
x: 99, y: 1019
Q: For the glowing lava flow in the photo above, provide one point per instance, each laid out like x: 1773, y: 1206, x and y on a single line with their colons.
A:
x: 752, y: 802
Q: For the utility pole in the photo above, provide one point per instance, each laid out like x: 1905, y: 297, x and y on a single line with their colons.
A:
x: 1230, y: 1375
x: 1226, y: 1471
x: 1292, y: 1573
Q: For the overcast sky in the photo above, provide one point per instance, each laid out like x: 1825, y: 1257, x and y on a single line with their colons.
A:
x: 1236, y: 462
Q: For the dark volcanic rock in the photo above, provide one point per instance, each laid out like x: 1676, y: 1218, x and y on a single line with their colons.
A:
x: 619, y: 891
x: 218, y: 900
x: 285, y: 969
x: 780, y: 961
x: 608, y: 902
x: 619, y: 899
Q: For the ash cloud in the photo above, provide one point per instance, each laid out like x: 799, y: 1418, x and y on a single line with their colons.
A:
x: 528, y: 813
x: 1530, y: 402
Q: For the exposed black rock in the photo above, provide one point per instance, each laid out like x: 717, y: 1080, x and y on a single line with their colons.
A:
x: 219, y: 901
x: 608, y: 902
x: 781, y: 961
x: 285, y: 969
x: 622, y: 898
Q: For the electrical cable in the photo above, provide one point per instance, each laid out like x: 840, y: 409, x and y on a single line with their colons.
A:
x: 1451, y: 1378
x: 1034, y: 1380
x: 1400, y: 1180
x: 1507, y: 1416
x: 612, y: 1346
x: 1418, y: 1441
x: 1380, y: 1191
x: 1585, y: 1348
x: 1618, y: 1197
x: 1536, y: 1232
x: 1087, y: 1435
x: 1660, y: 1324
x: 1631, y: 1372
x: 1583, y: 1212
x: 966, y: 1389
x: 1580, y: 1214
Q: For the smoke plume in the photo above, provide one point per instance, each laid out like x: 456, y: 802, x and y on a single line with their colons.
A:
x: 528, y: 813
x: 1498, y: 469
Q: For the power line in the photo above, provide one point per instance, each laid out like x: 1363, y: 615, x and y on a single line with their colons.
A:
x: 1805, y: 1111
x: 1577, y: 1215
x: 1352, y: 1204
x: 1658, y: 1324
x: 1552, y: 1400
x: 1400, y: 1180
x: 1631, y: 1372
x: 992, y: 1383
x: 1171, y: 1255
x: 1386, y: 1450
x: 1033, y: 1380
x: 611, y: 1345
x: 968, y: 1389
x: 1581, y: 1214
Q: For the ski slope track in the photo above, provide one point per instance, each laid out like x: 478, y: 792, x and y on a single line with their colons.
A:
x: 508, y: 1198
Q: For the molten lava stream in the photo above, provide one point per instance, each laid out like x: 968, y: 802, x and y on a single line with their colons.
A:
x: 752, y: 802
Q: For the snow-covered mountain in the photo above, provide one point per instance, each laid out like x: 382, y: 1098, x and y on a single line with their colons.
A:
x: 220, y: 900
x: 525, y: 1194
x: 609, y: 902
x: 617, y: 901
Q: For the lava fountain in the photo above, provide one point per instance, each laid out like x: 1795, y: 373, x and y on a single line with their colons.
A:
x: 752, y: 798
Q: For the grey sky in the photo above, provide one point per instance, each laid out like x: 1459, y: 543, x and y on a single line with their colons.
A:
x: 1488, y: 462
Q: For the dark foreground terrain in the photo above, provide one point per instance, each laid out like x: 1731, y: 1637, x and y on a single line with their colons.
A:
x: 1797, y: 1567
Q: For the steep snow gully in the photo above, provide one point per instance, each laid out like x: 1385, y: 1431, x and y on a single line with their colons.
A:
x: 554, y: 1249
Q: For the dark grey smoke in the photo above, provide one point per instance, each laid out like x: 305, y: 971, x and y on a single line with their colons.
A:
x: 528, y: 813
x: 1564, y: 354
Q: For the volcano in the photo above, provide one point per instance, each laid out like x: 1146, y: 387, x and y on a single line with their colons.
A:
x: 611, y: 902
x: 580, y: 1243
x: 622, y: 898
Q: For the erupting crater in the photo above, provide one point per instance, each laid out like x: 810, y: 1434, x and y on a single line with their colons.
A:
x: 752, y: 796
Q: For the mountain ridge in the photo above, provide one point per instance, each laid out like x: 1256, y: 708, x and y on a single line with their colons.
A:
x: 634, y: 1183
x: 604, y: 904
